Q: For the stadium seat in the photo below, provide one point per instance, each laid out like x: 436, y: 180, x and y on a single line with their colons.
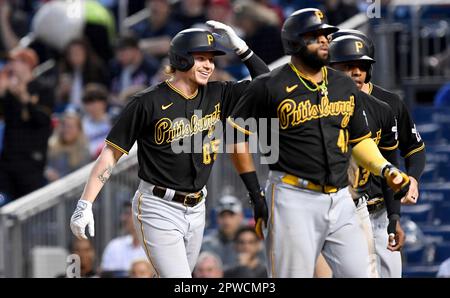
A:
x: 430, y: 173
x: 430, y: 133
x: 413, y: 254
x: 442, y: 252
x: 442, y: 231
x: 442, y: 213
x: 420, y: 214
x: 420, y: 271
x: 440, y: 155
x: 423, y: 114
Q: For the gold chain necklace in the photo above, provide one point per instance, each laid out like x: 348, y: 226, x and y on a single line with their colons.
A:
x: 323, y: 87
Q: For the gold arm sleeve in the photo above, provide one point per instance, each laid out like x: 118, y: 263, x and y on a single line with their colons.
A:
x: 367, y: 155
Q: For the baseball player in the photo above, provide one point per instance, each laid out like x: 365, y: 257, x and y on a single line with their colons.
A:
x: 320, y: 115
x: 169, y: 205
x: 412, y: 150
x: 411, y: 145
x: 350, y: 54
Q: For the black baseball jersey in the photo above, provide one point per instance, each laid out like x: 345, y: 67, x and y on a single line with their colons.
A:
x: 160, y: 117
x: 316, y: 124
x: 383, y: 128
x: 410, y: 142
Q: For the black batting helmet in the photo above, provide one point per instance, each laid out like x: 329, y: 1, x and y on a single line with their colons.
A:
x: 190, y: 41
x: 357, y: 33
x: 299, y: 23
x: 350, y: 48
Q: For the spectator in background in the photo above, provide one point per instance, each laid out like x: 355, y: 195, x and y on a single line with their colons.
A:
x: 260, y: 26
x: 248, y: 247
x: 131, y: 68
x: 442, y: 97
x: 80, y: 66
x: 13, y: 26
x: 209, y: 265
x: 229, y: 219
x: 120, y: 252
x: 275, y: 8
x: 68, y: 148
x: 141, y: 269
x: 157, y: 31
x: 27, y: 105
x: 219, y: 10
x: 339, y: 11
x: 85, y: 250
x: 96, y: 121
x: 190, y: 12
x: 444, y: 269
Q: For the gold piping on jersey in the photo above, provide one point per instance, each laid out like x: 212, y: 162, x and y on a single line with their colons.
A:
x: 181, y: 92
x: 116, y: 147
x: 414, y: 151
x: 272, y: 257
x: 147, y: 251
x: 390, y: 148
x: 361, y: 138
x: 370, y: 87
x: 293, y: 113
x: 168, y: 131
x: 233, y: 124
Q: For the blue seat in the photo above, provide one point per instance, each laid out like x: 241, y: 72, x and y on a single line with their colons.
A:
x: 430, y: 173
x: 442, y: 231
x: 442, y: 213
x: 423, y: 114
x: 412, y: 271
x: 413, y: 254
x: 442, y: 252
x: 420, y: 214
x: 440, y: 155
x: 431, y: 133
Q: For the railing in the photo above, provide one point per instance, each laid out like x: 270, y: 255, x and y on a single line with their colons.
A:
x: 413, y: 52
x: 42, y: 218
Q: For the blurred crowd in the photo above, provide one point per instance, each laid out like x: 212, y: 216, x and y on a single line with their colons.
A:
x: 58, y: 102
x: 230, y: 249
x: 59, y: 99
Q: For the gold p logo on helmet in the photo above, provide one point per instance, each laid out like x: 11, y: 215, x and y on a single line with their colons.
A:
x: 359, y: 45
x: 210, y: 39
x: 319, y: 15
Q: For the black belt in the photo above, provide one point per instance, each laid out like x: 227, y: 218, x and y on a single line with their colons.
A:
x: 375, y: 205
x: 185, y: 198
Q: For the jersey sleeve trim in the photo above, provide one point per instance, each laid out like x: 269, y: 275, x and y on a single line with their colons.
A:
x: 234, y: 125
x: 415, y: 151
x: 361, y: 138
x: 116, y: 147
x: 390, y: 148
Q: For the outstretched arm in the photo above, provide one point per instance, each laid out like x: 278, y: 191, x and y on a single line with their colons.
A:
x: 368, y: 156
x: 100, y: 173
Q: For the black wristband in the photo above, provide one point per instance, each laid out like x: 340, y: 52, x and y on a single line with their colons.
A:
x: 251, y: 182
x: 394, y: 216
x: 415, y: 164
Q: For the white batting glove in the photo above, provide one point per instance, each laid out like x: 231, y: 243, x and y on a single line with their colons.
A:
x: 82, y: 217
x: 237, y: 44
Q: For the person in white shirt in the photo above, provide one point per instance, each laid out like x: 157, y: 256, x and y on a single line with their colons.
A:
x: 121, y: 252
